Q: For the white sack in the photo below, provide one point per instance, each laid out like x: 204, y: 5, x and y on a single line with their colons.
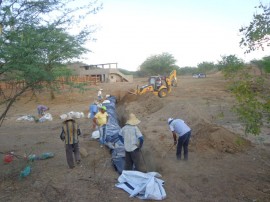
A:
x: 63, y: 116
x: 46, y: 117
x: 144, y: 185
x: 26, y: 118
x: 77, y: 115
x: 95, y: 134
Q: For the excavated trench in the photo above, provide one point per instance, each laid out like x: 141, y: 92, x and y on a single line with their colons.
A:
x: 206, y: 136
x: 142, y: 106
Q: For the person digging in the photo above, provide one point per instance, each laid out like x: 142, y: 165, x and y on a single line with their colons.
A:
x: 133, y: 139
x: 69, y: 134
x: 181, y: 130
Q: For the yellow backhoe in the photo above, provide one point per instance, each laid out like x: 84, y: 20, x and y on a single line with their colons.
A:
x: 158, y: 85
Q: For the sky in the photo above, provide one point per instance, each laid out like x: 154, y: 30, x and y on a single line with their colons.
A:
x: 193, y: 31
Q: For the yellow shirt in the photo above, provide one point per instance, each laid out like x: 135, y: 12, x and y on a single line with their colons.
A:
x: 101, y: 118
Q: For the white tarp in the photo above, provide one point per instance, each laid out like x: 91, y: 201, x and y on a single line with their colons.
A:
x: 142, y: 185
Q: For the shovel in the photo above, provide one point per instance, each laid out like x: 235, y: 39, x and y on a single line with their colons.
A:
x: 164, y: 154
x: 147, y: 170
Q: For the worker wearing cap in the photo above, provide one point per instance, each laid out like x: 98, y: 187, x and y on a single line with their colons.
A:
x: 69, y: 134
x: 101, y: 120
x: 181, y: 130
x: 133, y: 139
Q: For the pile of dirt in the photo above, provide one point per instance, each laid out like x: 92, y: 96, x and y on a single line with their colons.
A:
x: 206, y: 137
x: 210, y: 137
x: 143, y: 104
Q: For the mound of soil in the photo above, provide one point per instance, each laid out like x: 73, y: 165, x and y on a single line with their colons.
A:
x: 208, y: 136
x: 143, y: 104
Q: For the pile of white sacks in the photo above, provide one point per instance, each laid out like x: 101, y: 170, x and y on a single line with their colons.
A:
x: 72, y: 114
x: 45, y: 117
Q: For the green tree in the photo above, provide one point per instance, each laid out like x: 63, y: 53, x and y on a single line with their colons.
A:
x: 252, y: 91
x: 252, y: 96
x: 187, y: 70
x: 35, y: 43
x: 263, y: 64
x: 159, y: 64
x: 206, y: 67
x: 256, y: 34
x: 230, y: 65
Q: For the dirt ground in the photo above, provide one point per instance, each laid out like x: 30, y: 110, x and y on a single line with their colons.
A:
x: 224, y: 164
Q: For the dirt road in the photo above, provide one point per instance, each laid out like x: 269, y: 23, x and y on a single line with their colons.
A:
x: 224, y: 165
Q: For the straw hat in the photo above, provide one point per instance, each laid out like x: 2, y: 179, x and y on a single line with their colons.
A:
x: 68, y: 118
x: 132, y: 120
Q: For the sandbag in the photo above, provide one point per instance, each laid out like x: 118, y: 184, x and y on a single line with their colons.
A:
x: 26, y: 118
x: 63, y: 116
x: 95, y: 134
x: 46, y: 117
x: 77, y: 115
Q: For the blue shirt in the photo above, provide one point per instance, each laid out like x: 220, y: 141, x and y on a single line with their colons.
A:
x: 179, y: 127
x: 93, y: 110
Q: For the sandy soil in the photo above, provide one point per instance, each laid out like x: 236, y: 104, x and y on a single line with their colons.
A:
x: 224, y: 164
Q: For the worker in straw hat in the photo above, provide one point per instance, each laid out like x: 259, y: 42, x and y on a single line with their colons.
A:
x: 69, y: 134
x: 183, y: 132
x: 101, y: 120
x: 132, y: 138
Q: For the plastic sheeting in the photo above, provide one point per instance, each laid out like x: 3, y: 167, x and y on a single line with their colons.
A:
x: 142, y: 185
x: 112, y: 139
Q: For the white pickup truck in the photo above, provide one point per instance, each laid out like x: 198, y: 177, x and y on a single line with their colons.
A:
x: 199, y: 75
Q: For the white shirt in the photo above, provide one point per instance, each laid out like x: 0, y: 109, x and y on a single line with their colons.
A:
x: 179, y: 127
x: 99, y: 93
x: 131, y: 136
